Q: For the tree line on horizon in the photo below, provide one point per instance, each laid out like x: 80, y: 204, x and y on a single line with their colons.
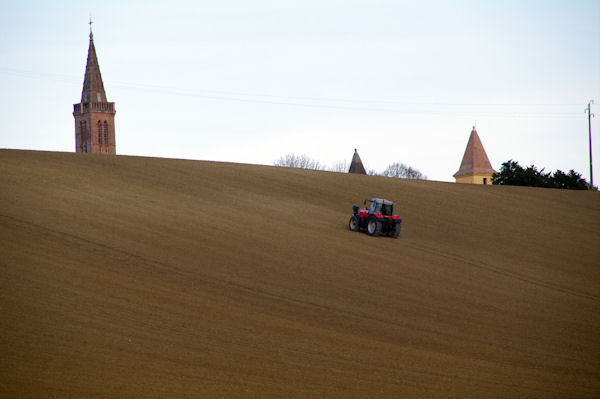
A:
x: 303, y: 161
x: 513, y: 174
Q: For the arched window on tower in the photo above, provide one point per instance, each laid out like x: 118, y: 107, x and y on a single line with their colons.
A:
x: 105, y: 132
x: 99, y: 133
x: 84, y: 134
x: 80, y: 137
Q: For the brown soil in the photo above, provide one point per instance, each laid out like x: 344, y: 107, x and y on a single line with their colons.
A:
x: 130, y: 277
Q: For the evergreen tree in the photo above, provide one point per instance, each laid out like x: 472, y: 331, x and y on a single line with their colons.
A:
x: 513, y: 174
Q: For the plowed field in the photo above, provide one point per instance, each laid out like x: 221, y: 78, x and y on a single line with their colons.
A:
x: 131, y: 277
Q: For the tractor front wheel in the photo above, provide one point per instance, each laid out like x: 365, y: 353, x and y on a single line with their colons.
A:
x: 373, y: 226
x: 354, y: 223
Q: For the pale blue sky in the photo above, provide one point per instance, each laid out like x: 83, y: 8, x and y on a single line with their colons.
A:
x: 249, y: 81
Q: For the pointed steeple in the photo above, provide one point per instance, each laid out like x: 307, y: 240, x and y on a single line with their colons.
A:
x: 475, y: 161
x: 94, y: 115
x: 93, y: 88
x: 356, y: 166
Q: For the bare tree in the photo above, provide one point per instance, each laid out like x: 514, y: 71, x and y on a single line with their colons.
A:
x: 298, y: 161
x: 303, y: 161
x: 400, y: 170
x: 339, y: 166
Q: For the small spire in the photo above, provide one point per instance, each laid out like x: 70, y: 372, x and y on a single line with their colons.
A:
x: 91, y: 34
x: 356, y: 166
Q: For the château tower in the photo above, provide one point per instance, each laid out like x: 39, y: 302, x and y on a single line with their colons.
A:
x: 475, y: 167
x: 94, y: 115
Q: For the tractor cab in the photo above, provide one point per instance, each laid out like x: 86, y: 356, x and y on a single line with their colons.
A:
x: 381, y: 206
x: 375, y: 207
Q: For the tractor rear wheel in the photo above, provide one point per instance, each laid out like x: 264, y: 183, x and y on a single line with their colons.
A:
x: 373, y: 226
x: 396, y: 230
x: 354, y: 223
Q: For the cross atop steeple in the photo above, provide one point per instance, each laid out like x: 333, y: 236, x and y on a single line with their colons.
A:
x: 91, y: 34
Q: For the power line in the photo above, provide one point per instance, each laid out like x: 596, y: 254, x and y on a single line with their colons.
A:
x: 386, y: 105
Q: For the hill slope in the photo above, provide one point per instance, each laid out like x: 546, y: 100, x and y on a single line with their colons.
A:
x: 150, y: 278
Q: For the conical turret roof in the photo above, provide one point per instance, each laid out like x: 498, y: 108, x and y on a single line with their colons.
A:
x: 475, y: 160
x: 356, y: 166
x: 93, y: 88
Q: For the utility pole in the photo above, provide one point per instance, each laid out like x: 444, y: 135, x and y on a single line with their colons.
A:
x: 590, y: 115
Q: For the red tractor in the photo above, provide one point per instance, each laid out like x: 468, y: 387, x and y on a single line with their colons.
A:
x: 378, y: 219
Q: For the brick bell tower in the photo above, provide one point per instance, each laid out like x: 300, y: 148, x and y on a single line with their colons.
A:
x: 94, y: 115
